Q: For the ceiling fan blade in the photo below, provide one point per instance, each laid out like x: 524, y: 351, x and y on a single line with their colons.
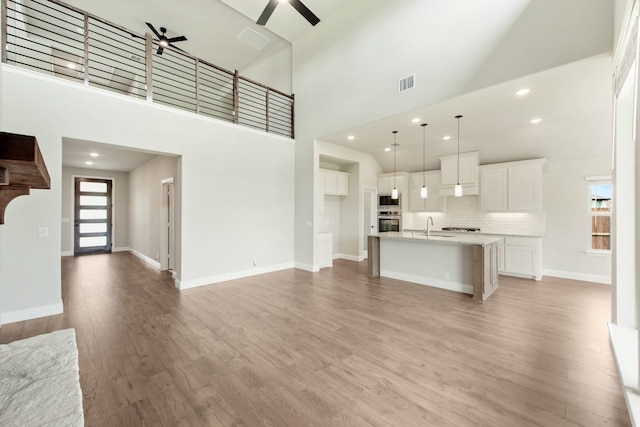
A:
x: 176, y: 48
x: 160, y: 49
x: 177, y: 39
x: 153, y: 29
x: 266, y: 13
x: 304, y: 11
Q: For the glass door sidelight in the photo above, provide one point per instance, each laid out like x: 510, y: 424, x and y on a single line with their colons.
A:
x: 92, y: 216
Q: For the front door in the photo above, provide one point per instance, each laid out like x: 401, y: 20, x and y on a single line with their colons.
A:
x: 92, y: 216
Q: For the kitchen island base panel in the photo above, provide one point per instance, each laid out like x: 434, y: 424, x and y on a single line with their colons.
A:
x: 427, y: 281
x: 443, y: 266
x: 468, y: 265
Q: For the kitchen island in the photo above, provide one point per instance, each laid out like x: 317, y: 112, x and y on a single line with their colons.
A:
x: 462, y: 263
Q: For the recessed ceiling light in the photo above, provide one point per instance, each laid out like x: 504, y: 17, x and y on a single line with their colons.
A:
x: 387, y: 149
x: 446, y: 137
x: 88, y: 163
x: 416, y: 120
x: 536, y: 121
x: 80, y: 30
x: 523, y: 92
x: 351, y: 137
x: 71, y: 65
x: 94, y: 154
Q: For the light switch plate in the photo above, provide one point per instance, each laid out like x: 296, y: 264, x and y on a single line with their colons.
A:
x: 43, y: 232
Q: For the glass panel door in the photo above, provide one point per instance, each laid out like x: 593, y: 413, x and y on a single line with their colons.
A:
x: 92, y: 215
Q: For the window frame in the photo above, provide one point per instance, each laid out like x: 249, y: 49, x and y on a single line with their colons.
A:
x: 591, y: 181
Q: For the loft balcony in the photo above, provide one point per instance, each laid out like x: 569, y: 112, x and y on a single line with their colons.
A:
x: 57, y: 39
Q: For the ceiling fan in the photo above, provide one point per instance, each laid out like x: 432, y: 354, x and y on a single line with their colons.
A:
x: 297, y: 4
x: 163, y: 41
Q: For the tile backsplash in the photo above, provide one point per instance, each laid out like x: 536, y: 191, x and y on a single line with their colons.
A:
x: 465, y: 212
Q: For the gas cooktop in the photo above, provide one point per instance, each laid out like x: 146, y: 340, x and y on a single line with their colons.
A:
x: 462, y: 229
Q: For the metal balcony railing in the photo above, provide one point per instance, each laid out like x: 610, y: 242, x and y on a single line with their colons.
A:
x: 52, y: 37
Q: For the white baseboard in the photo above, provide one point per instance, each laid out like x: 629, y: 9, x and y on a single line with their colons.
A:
x: 578, y: 276
x: 306, y: 267
x: 66, y: 253
x: 145, y: 258
x: 437, y: 283
x: 348, y: 257
x: 31, y: 313
x: 188, y: 284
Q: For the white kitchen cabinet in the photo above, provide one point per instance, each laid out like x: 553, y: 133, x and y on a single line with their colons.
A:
x: 493, y: 189
x: 512, y: 187
x: 334, y: 183
x: 523, y: 256
x: 525, y: 187
x: 386, y: 183
x: 469, y: 178
x: 325, y: 248
x: 434, y: 202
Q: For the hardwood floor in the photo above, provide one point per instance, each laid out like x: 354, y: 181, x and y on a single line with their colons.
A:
x: 334, y: 348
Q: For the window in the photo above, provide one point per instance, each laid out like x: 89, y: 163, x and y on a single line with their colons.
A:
x: 600, y: 199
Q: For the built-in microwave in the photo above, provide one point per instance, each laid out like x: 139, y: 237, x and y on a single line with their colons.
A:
x: 385, y: 201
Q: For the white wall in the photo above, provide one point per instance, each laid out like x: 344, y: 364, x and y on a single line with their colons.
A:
x: 273, y: 70
x: 236, y: 190
x: 566, y: 204
x: 120, y: 214
x: 145, y: 203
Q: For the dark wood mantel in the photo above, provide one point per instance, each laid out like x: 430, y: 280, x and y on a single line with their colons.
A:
x: 21, y: 168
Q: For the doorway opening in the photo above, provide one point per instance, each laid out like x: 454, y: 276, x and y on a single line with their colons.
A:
x: 167, y: 225
x: 92, y: 215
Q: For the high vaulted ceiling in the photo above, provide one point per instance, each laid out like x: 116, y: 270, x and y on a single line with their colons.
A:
x: 212, y: 28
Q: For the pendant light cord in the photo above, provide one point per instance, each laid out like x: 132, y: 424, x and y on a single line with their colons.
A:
x: 395, y: 144
x: 424, y: 151
x: 458, y: 117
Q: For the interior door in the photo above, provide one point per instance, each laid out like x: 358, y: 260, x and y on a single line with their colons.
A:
x: 92, y: 216
x: 370, y: 217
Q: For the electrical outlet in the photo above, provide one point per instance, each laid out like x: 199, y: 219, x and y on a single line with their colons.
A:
x: 43, y: 232
x: 446, y: 275
x: 254, y: 263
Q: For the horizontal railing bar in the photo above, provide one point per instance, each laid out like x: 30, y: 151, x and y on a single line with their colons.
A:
x: 123, y: 64
x: 265, y: 87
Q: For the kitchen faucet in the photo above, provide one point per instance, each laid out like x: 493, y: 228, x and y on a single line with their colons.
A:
x: 429, y: 232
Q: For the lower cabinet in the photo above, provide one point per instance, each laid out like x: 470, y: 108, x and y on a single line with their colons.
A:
x: 522, y: 256
x: 325, y: 248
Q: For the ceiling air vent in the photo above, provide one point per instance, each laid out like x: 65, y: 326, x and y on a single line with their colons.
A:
x: 253, y: 38
x: 406, y: 83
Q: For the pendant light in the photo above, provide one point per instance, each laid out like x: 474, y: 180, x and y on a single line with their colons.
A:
x: 394, y: 192
x: 424, y: 193
x: 457, y: 191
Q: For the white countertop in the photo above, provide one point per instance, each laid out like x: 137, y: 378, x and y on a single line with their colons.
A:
x: 451, y: 239
x: 416, y: 230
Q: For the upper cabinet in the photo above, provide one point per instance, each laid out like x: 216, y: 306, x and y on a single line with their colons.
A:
x: 469, y: 178
x: 434, y: 201
x: 512, y: 187
x: 387, y: 181
x: 334, y: 183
